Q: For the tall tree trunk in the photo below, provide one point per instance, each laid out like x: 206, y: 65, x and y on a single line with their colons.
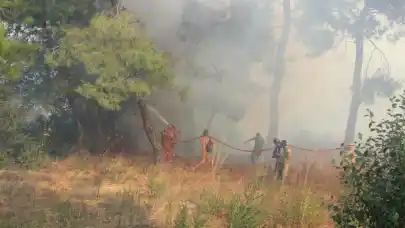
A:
x: 114, y: 3
x: 147, y: 127
x: 81, y: 134
x: 356, y: 90
x: 77, y: 110
x: 279, y: 72
x: 100, y: 140
x: 356, y: 83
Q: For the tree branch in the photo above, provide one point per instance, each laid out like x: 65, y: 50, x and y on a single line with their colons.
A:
x: 382, y: 54
x: 368, y: 62
x: 384, y: 57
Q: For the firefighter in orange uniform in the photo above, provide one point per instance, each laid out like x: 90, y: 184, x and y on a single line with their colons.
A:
x: 207, y: 146
x: 169, y: 138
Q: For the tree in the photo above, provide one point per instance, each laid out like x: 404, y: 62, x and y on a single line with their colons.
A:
x: 119, y: 63
x: 279, y: 72
x: 43, y: 86
x: 42, y: 13
x: 323, y: 21
x: 243, y: 26
x: 53, y: 88
x: 374, y: 193
x: 14, y: 57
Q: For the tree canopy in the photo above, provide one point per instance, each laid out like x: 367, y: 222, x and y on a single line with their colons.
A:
x: 90, y: 61
x: 118, y: 58
x: 327, y: 23
x: 14, y: 57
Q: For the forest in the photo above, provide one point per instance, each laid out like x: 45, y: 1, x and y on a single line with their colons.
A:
x: 107, y: 76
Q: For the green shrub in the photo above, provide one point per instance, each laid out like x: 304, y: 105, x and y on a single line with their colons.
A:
x: 374, y: 185
x: 300, y: 208
x: 155, y: 187
x: 212, y: 204
x: 243, y: 214
x: 184, y: 219
x: 181, y: 220
x: 240, y: 211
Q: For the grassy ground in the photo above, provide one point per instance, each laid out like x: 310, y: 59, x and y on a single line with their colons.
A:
x: 85, y: 191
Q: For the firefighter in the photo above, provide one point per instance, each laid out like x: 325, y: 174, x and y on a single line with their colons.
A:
x: 277, y: 148
x: 207, y: 146
x: 257, y: 148
x: 169, y: 138
x: 281, y: 159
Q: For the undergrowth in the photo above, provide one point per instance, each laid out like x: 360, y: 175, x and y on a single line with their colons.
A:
x: 153, y: 200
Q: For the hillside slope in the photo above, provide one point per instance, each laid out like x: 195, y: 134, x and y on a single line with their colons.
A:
x: 116, y: 191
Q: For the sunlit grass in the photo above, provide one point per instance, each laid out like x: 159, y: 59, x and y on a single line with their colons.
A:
x: 85, y: 191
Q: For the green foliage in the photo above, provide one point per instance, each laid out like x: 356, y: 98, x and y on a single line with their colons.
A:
x: 15, y: 144
x: 118, y: 57
x: 243, y: 214
x: 324, y: 24
x: 213, y: 204
x: 374, y: 193
x: 155, y: 187
x: 241, y: 210
x: 181, y: 220
x: 380, y: 84
x: 55, y: 13
x: 244, y: 211
x: 123, y: 210
x: 13, y: 56
x: 15, y: 10
x: 186, y: 219
x: 302, y: 209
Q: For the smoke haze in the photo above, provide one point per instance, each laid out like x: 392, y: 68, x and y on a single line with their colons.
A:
x: 315, y: 95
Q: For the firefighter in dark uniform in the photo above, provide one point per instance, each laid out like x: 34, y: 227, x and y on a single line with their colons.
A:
x: 257, y: 148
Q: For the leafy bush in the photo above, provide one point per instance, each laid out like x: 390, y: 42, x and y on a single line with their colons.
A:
x: 374, y: 193
x: 183, y: 218
x: 299, y: 208
x: 243, y: 214
x: 15, y: 145
x: 155, y: 187
x: 241, y: 210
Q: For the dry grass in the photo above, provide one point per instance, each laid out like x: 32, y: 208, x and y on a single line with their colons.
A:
x: 85, y: 191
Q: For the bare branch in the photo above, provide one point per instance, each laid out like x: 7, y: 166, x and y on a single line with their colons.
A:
x: 382, y: 54
x: 384, y: 57
x: 368, y: 63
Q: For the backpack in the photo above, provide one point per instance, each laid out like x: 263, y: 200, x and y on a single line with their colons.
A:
x: 210, y: 145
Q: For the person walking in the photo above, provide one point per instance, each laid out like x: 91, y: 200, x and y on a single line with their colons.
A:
x: 207, y: 146
x: 257, y: 148
x: 281, y: 160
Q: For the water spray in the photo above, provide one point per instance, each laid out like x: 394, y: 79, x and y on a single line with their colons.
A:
x: 157, y: 114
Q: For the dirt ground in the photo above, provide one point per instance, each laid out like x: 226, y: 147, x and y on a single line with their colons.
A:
x: 111, y: 191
